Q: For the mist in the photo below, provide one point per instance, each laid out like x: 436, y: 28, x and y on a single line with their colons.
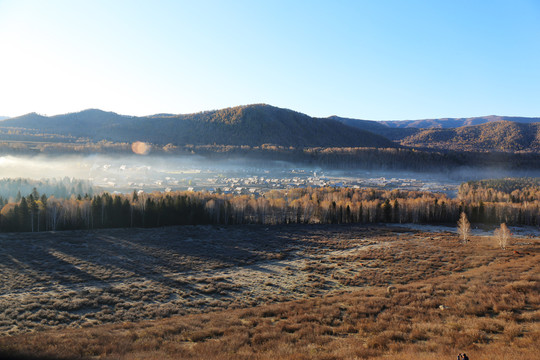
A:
x: 126, y: 173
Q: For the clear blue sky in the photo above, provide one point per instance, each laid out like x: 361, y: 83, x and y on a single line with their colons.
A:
x: 364, y: 59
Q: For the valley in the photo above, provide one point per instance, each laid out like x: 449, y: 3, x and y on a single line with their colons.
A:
x: 274, y: 180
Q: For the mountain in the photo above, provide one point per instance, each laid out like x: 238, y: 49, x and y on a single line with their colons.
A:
x: 377, y: 127
x: 400, y: 129
x: 252, y: 125
x: 259, y: 124
x: 76, y: 124
x: 4, y: 118
x: 456, y: 122
x: 492, y: 136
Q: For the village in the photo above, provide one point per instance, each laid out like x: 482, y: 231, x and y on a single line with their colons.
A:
x: 256, y: 181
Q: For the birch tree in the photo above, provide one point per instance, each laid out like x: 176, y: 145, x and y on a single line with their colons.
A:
x: 464, y: 228
x: 502, y: 236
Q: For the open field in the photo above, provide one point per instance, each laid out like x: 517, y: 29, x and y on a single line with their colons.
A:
x: 295, y: 292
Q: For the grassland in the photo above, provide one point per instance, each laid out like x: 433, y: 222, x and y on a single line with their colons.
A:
x: 254, y: 292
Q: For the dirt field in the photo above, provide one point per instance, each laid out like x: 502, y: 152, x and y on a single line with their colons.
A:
x: 55, y: 283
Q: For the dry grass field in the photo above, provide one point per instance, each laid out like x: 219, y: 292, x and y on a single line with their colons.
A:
x: 255, y: 292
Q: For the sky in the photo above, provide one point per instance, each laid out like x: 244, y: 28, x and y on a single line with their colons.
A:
x: 377, y: 60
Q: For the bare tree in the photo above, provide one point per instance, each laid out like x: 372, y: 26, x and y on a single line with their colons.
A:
x: 464, y: 227
x: 502, y: 236
x: 54, y: 207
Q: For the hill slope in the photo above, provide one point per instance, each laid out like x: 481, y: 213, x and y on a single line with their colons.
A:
x: 243, y: 125
x: 494, y: 136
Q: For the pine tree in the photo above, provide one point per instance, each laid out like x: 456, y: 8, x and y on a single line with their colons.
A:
x: 387, y: 211
x: 24, y: 215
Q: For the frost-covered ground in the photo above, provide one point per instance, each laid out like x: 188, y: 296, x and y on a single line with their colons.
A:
x: 85, y: 278
x: 517, y: 231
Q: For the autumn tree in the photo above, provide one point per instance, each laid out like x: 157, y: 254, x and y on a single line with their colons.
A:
x: 502, y: 236
x: 464, y: 227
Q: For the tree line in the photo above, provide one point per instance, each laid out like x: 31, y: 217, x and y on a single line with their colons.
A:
x: 11, y: 189
x: 327, y: 157
x: 515, y: 190
x: 326, y: 205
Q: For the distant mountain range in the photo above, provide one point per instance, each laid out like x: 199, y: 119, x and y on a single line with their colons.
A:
x: 457, y: 122
x: 252, y: 125
x: 486, y: 133
x: 400, y: 129
x: 259, y: 124
x: 4, y: 118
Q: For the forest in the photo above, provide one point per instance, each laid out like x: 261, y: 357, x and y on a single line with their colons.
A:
x: 515, y: 190
x: 481, y: 203
x: 12, y: 188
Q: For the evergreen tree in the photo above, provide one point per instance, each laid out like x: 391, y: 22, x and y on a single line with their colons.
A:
x: 24, y: 215
x: 387, y: 211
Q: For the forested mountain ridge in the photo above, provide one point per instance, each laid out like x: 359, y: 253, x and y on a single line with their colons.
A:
x: 446, y: 123
x: 251, y: 125
x: 495, y: 136
x: 255, y: 125
x: 79, y: 124
x: 400, y: 129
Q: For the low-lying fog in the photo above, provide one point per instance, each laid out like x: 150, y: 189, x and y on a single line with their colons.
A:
x: 149, y: 173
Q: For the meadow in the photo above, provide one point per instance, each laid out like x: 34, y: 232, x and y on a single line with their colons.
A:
x: 261, y: 292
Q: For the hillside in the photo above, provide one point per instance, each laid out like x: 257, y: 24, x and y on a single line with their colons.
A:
x: 495, y: 136
x: 446, y: 123
x: 263, y: 124
x: 259, y: 124
x: 252, y: 125
x: 378, y: 127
